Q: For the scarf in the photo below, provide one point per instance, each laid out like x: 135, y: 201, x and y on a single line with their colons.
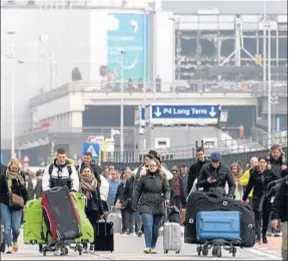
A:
x: 88, y: 184
x: 14, y: 176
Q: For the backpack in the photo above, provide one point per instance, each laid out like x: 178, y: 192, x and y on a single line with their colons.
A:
x: 51, y: 168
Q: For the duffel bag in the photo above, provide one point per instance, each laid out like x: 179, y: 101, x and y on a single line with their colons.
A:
x: 200, y: 201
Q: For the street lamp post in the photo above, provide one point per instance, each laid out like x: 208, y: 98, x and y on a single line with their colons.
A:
x: 12, y: 101
x: 122, y: 53
x: 269, y: 90
x: 12, y: 95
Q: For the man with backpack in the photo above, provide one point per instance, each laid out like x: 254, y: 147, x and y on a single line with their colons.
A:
x: 60, y: 174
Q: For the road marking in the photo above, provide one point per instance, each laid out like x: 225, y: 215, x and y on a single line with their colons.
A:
x: 261, y: 253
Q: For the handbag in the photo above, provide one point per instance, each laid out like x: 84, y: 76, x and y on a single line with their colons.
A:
x: 15, y: 200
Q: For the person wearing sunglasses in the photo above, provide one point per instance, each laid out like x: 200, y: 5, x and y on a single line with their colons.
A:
x: 151, y: 195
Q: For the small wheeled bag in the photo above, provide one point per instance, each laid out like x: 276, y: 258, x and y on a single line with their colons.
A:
x: 172, y: 239
x: 104, y: 236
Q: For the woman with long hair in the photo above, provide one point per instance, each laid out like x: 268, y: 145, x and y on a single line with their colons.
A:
x: 13, y: 197
x: 151, y: 195
x: 237, y: 173
x: 260, y: 177
x: 88, y: 186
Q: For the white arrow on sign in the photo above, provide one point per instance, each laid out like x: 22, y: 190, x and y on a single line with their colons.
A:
x: 91, y: 149
x: 158, y: 113
x: 212, y: 112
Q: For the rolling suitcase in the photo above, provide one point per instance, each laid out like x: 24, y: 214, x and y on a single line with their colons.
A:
x: 115, y: 218
x: 60, y: 211
x: 218, y: 225
x: 200, y: 201
x: 172, y: 240
x: 103, y: 236
x: 34, y: 227
x: 87, y: 232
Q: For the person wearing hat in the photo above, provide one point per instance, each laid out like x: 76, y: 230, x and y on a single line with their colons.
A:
x: 214, y: 176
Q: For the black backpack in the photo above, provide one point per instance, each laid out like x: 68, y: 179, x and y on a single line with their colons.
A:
x: 51, y: 168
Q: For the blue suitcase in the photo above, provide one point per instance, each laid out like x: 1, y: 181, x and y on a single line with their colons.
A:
x: 212, y: 225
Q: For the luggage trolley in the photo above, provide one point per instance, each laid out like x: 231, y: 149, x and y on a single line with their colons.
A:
x: 217, y: 230
x: 216, y: 245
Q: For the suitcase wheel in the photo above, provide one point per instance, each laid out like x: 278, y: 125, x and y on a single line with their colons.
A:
x: 64, y: 251
x: 234, y: 251
x: 166, y: 251
x: 219, y: 252
x: 79, y: 249
x: 199, y: 250
x: 205, y: 251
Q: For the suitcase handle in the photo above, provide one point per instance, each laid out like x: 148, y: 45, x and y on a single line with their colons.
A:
x: 55, y: 189
x: 214, y: 195
x: 200, y: 225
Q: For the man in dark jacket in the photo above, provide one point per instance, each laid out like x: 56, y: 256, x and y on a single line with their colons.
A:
x: 87, y: 160
x: 195, y: 168
x: 277, y: 160
x: 214, y: 175
x: 280, y: 211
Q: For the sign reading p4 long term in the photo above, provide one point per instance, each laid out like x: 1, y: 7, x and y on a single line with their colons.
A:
x: 185, y: 114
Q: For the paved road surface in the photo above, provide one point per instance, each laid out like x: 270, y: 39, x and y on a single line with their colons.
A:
x: 131, y: 247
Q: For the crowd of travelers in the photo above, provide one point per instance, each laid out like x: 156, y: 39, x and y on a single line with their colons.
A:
x: 142, y: 194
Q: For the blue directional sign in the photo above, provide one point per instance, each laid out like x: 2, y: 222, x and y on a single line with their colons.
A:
x: 190, y: 114
x: 142, y: 114
x: 93, y: 148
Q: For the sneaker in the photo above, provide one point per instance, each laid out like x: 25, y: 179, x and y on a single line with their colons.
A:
x: 9, y: 250
x: 15, y: 247
x: 265, y: 240
x: 147, y: 251
x: 153, y: 251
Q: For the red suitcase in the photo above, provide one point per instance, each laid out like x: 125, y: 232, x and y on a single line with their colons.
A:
x: 61, y: 214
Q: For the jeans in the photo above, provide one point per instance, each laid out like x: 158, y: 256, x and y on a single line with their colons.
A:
x: 151, y: 229
x: 11, y: 220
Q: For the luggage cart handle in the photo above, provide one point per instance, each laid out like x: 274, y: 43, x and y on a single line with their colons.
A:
x: 55, y: 189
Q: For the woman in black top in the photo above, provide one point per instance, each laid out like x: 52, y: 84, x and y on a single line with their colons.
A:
x: 260, y: 177
x: 88, y: 186
x: 151, y: 195
x: 12, y: 182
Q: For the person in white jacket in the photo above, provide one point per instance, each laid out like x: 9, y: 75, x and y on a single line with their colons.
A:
x: 104, y: 187
x: 60, y: 173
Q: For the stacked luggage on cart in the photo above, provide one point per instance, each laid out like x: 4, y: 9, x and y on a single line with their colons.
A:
x: 214, y: 222
x: 57, y: 221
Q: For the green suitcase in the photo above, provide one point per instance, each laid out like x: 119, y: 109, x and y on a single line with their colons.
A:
x: 34, y: 226
x: 85, y: 226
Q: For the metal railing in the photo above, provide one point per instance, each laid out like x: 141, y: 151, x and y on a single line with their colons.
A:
x: 200, y: 87
x: 226, y: 147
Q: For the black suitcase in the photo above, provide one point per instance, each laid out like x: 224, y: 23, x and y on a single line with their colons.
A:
x: 60, y: 214
x: 200, y: 201
x: 103, y: 236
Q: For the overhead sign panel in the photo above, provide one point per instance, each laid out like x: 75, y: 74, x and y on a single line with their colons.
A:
x: 185, y: 114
